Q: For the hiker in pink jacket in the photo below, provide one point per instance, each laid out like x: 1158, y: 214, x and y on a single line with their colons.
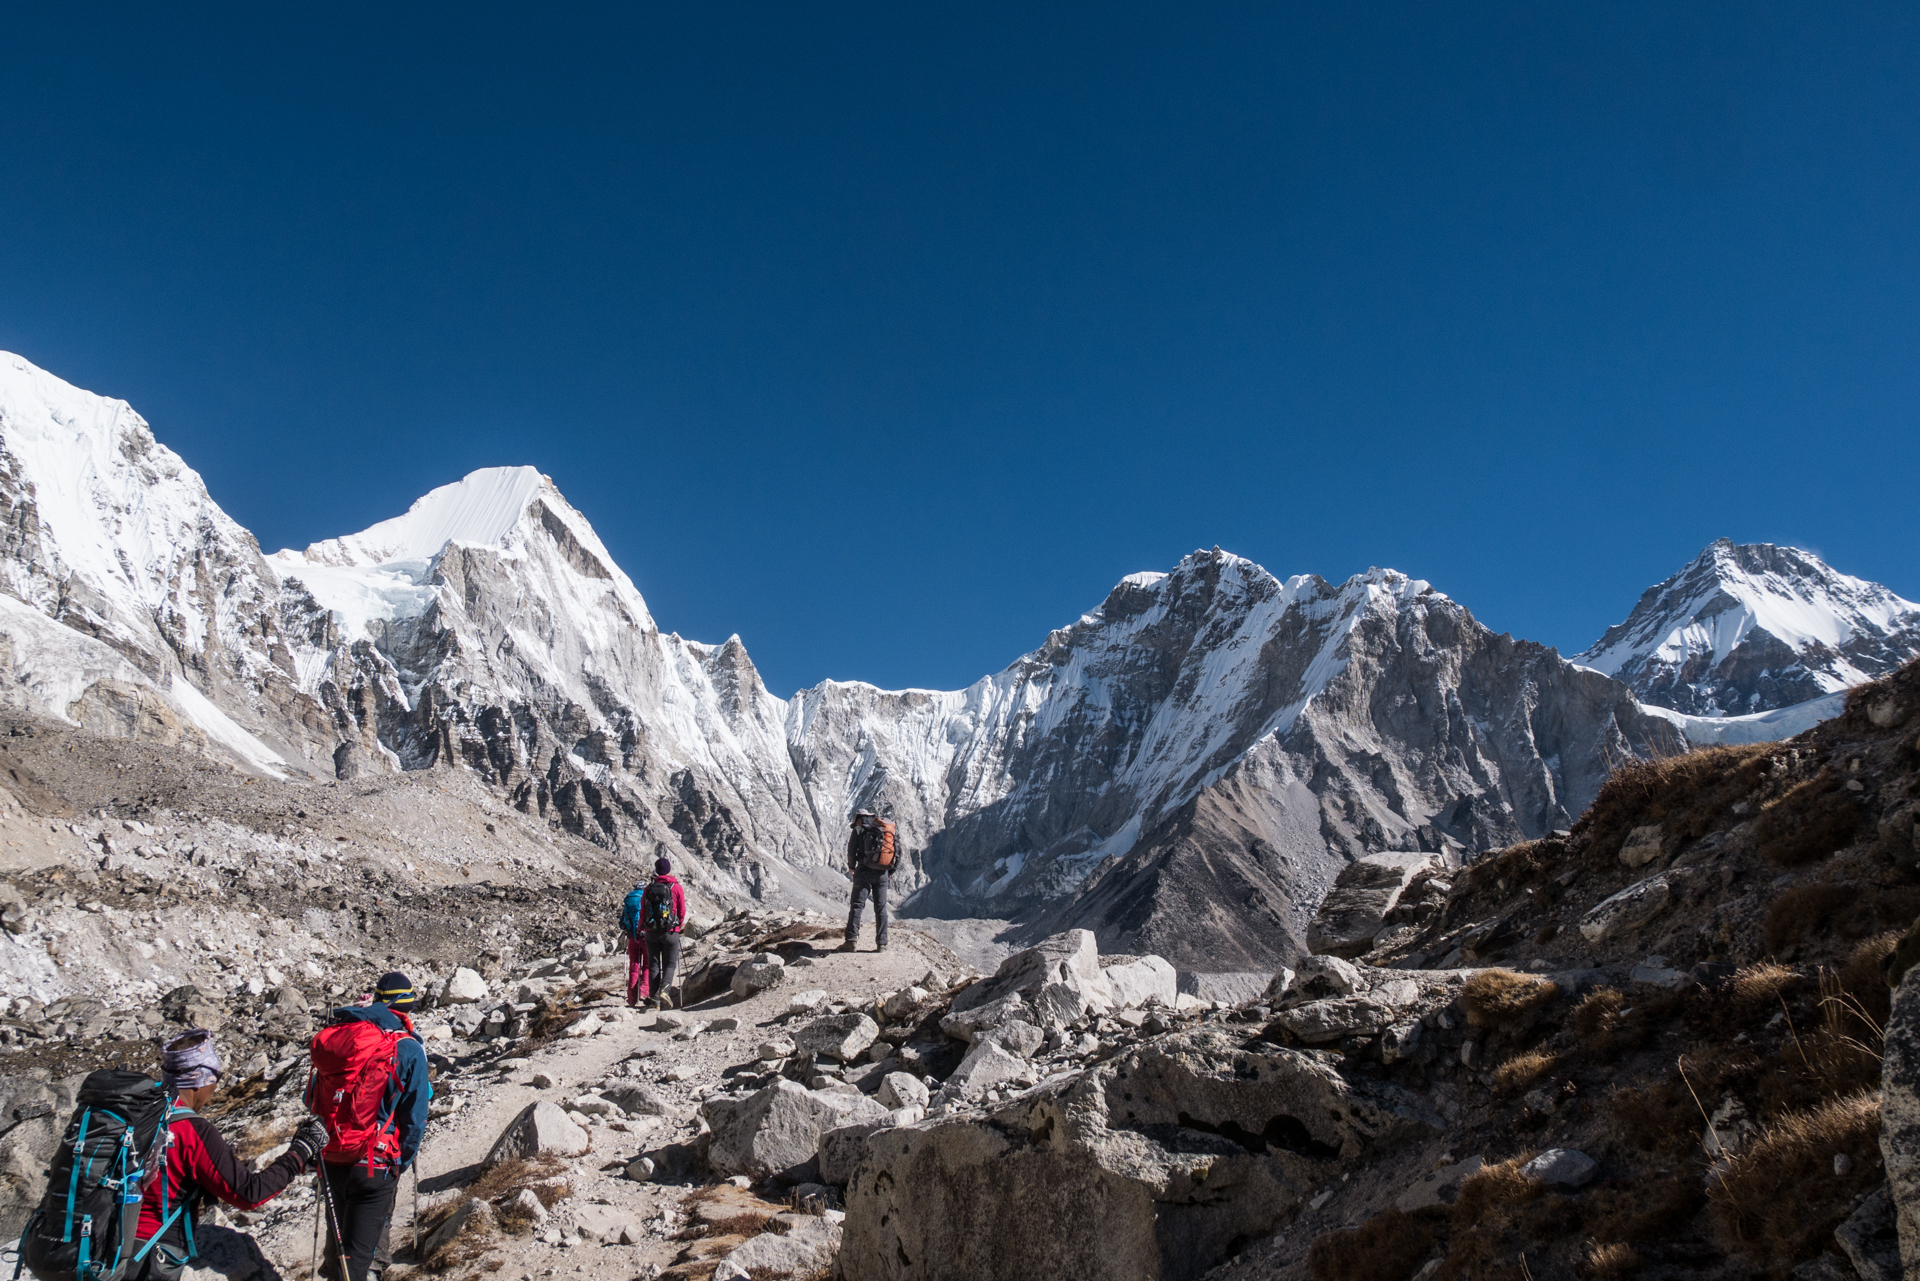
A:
x: 652, y: 918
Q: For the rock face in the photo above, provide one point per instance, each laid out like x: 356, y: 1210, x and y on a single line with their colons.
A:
x: 757, y: 974
x: 1753, y: 627
x: 1363, y: 894
x: 1149, y: 1166
x: 1900, y: 1115
x: 775, y: 1132
x: 1628, y: 910
x: 1142, y: 981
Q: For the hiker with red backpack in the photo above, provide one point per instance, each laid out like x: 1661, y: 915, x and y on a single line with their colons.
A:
x: 137, y: 1163
x: 370, y: 1089
x: 652, y: 918
x: 872, y: 854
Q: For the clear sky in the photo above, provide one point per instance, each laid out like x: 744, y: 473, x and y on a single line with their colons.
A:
x: 891, y: 337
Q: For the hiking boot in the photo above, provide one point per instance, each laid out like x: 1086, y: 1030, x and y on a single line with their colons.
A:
x: 879, y: 947
x: 847, y: 946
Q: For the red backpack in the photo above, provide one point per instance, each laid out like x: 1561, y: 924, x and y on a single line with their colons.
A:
x: 352, y: 1064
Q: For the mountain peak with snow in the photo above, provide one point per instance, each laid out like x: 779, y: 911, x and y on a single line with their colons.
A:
x: 481, y: 507
x: 1752, y: 627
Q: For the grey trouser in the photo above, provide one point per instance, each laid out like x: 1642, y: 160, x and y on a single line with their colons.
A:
x: 663, y: 962
x: 869, y: 880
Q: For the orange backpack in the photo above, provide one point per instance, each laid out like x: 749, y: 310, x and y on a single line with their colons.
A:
x: 884, y: 858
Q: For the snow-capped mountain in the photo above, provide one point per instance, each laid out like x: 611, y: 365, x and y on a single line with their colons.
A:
x: 1183, y: 769
x: 1186, y: 767
x: 1753, y: 628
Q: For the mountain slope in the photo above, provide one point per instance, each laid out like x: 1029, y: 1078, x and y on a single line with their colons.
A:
x: 1187, y: 766
x: 1748, y: 628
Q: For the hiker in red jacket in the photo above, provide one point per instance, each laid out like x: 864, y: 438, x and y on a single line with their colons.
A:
x: 652, y: 919
x: 201, y: 1164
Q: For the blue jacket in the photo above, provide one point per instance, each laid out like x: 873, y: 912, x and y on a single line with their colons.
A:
x: 410, y: 1091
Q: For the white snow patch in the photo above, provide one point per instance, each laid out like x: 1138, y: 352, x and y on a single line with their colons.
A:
x: 481, y: 508
x: 219, y: 727
x: 1760, y: 727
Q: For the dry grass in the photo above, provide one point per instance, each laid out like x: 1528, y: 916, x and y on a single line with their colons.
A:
x: 1809, y: 823
x: 1597, y: 1017
x: 1521, y: 1071
x: 1644, y: 1211
x: 1779, y: 1199
x: 1805, y: 911
x: 1689, y: 794
x: 1863, y: 978
x: 1493, y: 1188
x: 1754, y: 986
x: 500, y: 1180
x: 1611, y: 1261
x: 1387, y: 1247
x: 1501, y: 998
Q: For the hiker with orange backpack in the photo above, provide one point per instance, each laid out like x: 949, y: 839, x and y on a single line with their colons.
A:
x: 872, y: 854
x: 370, y: 1089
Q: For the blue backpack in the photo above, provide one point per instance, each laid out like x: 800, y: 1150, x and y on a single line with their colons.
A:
x: 630, y: 912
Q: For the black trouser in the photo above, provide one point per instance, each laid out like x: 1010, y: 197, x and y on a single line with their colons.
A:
x: 869, y: 880
x: 663, y: 962
x: 361, y: 1206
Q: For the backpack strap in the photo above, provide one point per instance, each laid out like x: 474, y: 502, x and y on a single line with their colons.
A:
x: 73, y: 1186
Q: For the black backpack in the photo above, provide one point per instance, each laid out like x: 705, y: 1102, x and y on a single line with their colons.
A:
x: 115, y: 1144
x: 656, y: 908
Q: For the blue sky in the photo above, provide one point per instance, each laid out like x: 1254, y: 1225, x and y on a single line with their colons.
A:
x: 890, y: 337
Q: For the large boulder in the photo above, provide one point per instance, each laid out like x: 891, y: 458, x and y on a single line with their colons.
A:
x: 1318, y: 1022
x: 775, y: 1132
x: 1141, y: 981
x: 1153, y: 1165
x: 1357, y: 906
x: 1071, y: 959
x: 965, y: 1025
x: 986, y: 1065
x: 837, y: 1036
x: 757, y: 974
x: 541, y: 1129
x: 805, y: 1248
x: 464, y: 987
x: 844, y: 1147
x: 1900, y: 1115
x: 1319, y: 978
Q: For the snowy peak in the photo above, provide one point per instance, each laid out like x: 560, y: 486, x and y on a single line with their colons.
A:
x: 1750, y: 628
x: 482, y: 507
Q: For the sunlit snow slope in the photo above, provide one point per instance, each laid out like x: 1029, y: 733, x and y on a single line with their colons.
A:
x: 1756, y: 628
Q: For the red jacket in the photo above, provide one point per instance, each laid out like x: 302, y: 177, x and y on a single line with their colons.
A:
x: 201, y: 1164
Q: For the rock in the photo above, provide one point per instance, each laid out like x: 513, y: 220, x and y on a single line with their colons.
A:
x: 464, y: 988
x: 903, y: 1003
x: 776, y: 1049
x: 635, y: 1099
x: 775, y: 1132
x: 1628, y: 910
x: 967, y: 1025
x: 1437, y: 1187
x: 1660, y: 977
x: 1054, y: 1005
x: 632, y: 1234
x: 289, y: 998
x: 542, y: 1081
x: 1017, y: 1036
x: 1871, y: 1239
x: 473, y: 1215
x: 986, y: 1065
x: 1318, y: 978
x: 1900, y: 1115
x: 1642, y: 845
x: 844, y: 1147
x: 808, y: 1246
x: 758, y: 973
x: 586, y: 1025
x: 1356, y: 908
x: 640, y: 1169
x: 527, y: 1206
x: 902, y: 1090
x: 1074, y: 1182
x: 1071, y: 959
x: 593, y: 1105
x: 1399, y: 1041
x: 724, y: 1024
x: 541, y: 1128
x: 1142, y: 981
x: 1561, y: 1168
x: 807, y: 1002
x: 1318, y: 1022
x: 837, y: 1036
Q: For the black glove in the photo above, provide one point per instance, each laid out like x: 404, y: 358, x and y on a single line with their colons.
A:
x: 308, y: 1140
